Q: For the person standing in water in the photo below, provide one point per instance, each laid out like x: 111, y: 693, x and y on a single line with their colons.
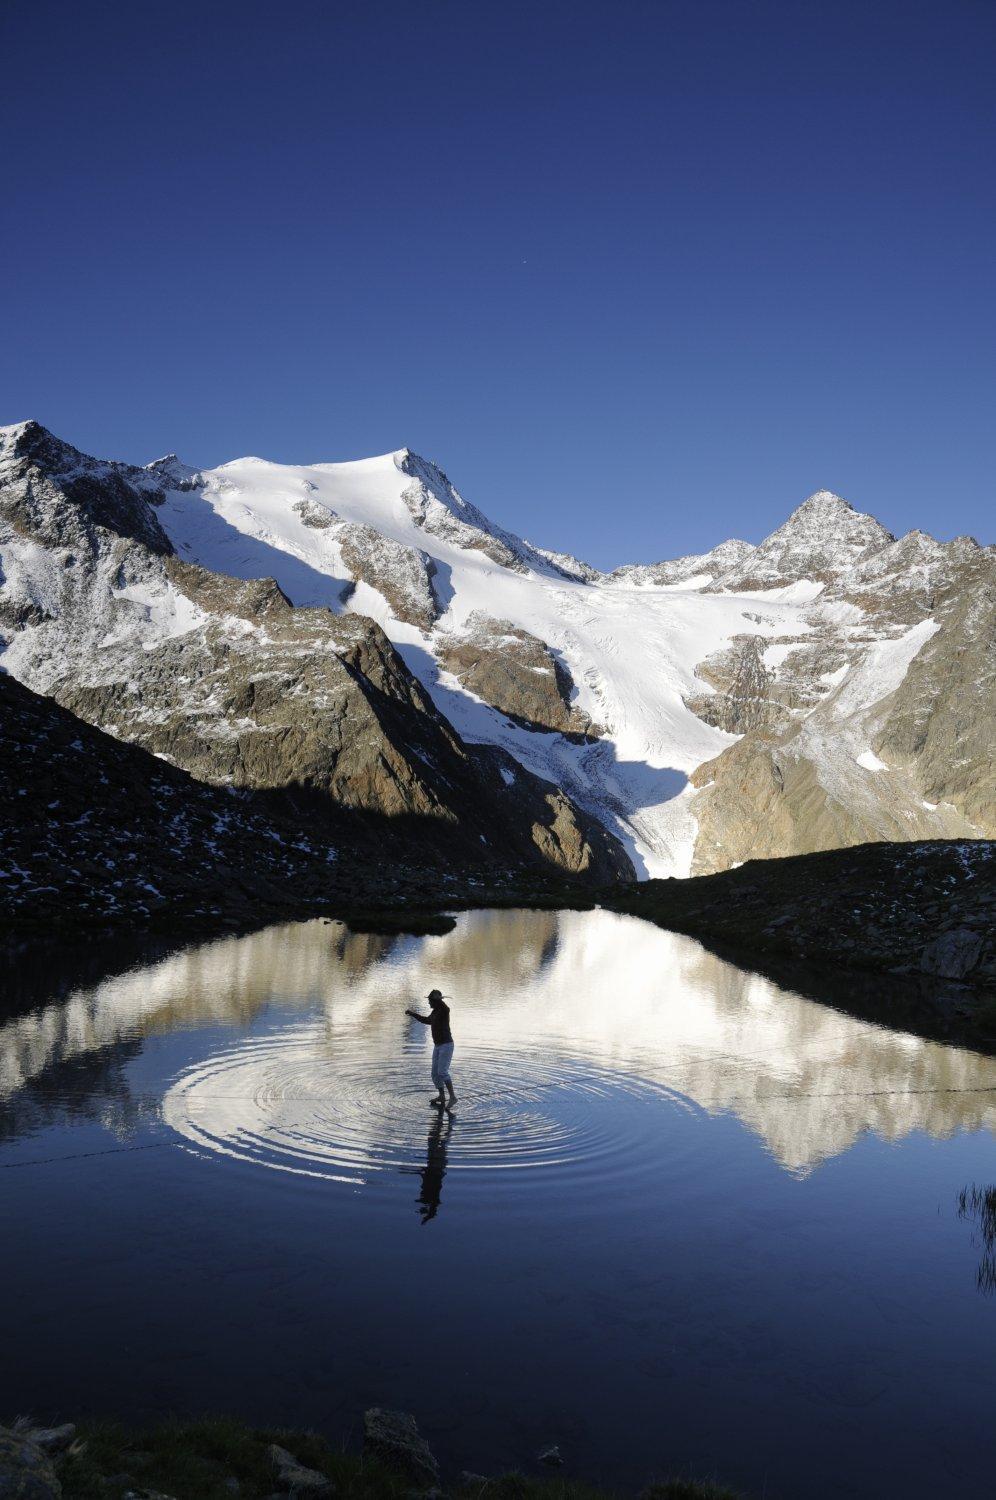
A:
x: 438, y: 1020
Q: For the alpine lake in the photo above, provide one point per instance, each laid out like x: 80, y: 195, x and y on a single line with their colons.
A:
x: 683, y: 1220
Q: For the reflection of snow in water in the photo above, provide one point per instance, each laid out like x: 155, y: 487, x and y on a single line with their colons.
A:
x: 547, y: 1007
x: 299, y: 1102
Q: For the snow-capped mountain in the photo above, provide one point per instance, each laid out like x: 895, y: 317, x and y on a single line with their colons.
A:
x: 829, y: 685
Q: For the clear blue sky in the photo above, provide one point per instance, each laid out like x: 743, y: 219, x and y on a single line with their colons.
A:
x: 639, y: 276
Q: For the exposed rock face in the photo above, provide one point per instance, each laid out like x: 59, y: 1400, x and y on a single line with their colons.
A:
x: 711, y: 565
x: 517, y: 674
x: 874, y: 724
x: 941, y: 722
x: 226, y: 679
x: 570, y: 566
x: 442, y: 512
x: 822, y: 539
x: 38, y: 472
x: 743, y: 699
x: 401, y: 575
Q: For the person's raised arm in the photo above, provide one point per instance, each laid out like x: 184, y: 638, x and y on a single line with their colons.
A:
x: 416, y: 1017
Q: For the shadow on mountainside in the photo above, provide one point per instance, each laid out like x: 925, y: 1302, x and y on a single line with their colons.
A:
x: 225, y: 549
x: 587, y: 768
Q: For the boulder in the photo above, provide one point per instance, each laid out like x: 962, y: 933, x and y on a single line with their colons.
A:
x: 953, y: 954
x: 52, y: 1439
x: 551, y: 1456
x: 295, y: 1477
x: 394, y: 1438
x: 26, y: 1471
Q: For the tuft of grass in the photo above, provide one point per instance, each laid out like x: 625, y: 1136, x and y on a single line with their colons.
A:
x: 687, y: 1489
x: 515, y: 1486
x: 979, y: 1203
x: 196, y: 1460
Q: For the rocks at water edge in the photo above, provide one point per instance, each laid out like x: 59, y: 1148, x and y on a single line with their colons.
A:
x: 26, y: 1471
x: 919, y: 908
x: 954, y: 954
x: 50, y: 1439
x: 394, y: 1438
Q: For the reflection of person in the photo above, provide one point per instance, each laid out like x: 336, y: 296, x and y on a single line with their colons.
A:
x: 435, y: 1167
x: 438, y: 1020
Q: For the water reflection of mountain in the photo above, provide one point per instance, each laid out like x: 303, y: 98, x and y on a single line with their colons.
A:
x: 808, y: 1080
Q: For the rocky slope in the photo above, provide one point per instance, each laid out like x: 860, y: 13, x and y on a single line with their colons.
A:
x: 98, y: 832
x: 919, y: 908
x: 95, y: 830
x: 517, y: 674
x: 226, y: 679
x: 874, y: 723
x: 360, y: 632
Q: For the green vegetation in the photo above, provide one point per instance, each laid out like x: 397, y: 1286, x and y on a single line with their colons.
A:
x: 199, y: 1460
x: 979, y: 1203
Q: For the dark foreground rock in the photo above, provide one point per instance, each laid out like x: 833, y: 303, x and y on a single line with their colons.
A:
x: 26, y: 1470
x: 393, y: 1438
x: 925, y: 909
x: 297, y: 1477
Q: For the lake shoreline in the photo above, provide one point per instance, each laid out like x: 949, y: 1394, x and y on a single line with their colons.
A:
x: 900, y: 934
x: 214, y: 1458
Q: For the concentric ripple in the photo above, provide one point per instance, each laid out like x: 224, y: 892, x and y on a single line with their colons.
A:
x: 293, y: 1102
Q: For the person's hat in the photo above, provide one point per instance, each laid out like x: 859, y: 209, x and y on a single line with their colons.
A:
x: 434, y: 995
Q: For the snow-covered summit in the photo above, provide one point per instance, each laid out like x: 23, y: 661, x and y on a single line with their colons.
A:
x: 697, y: 569
x: 653, y: 659
x: 822, y: 539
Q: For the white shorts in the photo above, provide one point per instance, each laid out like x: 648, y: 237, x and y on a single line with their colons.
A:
x: 442, y: 1056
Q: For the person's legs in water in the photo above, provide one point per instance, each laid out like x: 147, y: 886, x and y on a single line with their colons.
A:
x: 440, y: 1098
x: 441, y: 1058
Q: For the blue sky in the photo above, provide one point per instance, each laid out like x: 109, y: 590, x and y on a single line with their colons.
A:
x: 639, y: 276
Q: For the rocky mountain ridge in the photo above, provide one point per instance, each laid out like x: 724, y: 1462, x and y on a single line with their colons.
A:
x: 225, y: 678
x: 96, y: 832
x: 362, y: 630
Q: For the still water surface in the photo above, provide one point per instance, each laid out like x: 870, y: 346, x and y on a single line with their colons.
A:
x: 683, y: 1220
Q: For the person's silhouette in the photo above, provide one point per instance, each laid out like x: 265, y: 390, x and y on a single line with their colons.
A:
x: 435, y: 1167
x: 438, y: 1021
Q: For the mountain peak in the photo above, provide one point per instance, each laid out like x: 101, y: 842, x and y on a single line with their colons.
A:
x: 822, y: 501
x: 828, y: 517
x: 822, y: 539
x: 13, y: 430
x: 30, y: 442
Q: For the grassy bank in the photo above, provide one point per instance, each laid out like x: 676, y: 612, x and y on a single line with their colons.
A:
x: 214, y: 1459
